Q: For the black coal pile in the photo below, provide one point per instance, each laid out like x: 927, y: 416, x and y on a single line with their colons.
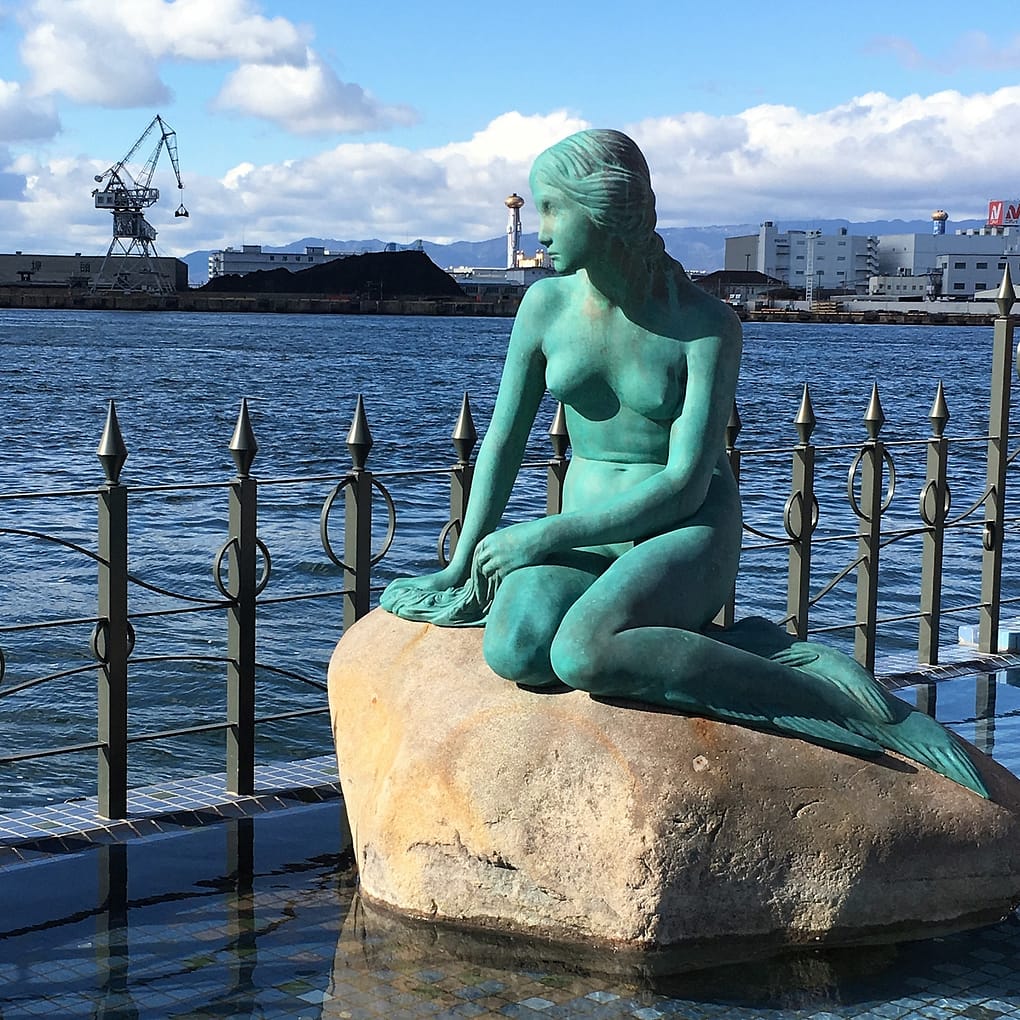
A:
x: 376, y: 276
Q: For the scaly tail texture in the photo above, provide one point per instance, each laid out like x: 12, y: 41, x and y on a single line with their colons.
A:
x: 838, y: 704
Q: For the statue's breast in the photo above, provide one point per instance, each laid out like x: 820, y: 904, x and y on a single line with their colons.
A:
x: 582, y: 386
x: 653, y: 388
x: 601, y: 371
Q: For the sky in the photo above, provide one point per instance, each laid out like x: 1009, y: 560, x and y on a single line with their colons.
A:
x: 401, y: 119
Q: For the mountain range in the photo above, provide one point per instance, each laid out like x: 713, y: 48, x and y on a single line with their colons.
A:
x: 700, y: 249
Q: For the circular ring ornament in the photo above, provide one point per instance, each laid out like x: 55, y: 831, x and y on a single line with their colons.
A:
x: 391, y: 522
x: 890, y: 488
x: 99, y: 641
x: 267, y: 567
x: 926, y: 504
x: 451, y: 527
x: 988, y: 536
x: 795, y: 505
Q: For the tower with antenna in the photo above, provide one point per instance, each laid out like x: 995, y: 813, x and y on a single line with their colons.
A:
x: 513, y: 204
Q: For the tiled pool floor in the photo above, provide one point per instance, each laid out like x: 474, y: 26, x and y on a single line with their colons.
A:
x: 257, y: 917
x: 201, y: 905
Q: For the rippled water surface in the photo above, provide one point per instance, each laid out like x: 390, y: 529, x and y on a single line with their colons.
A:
x: 178, y: 380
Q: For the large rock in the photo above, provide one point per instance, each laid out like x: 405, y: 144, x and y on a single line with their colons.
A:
x: 473, y: 801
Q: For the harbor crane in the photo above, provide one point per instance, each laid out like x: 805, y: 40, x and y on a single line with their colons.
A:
x: 130, y: 262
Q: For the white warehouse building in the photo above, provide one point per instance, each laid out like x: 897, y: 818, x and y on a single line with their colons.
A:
x: 250, y: 258
x: 898, y: 266
x: 957, y: 265
x: 806, y: 259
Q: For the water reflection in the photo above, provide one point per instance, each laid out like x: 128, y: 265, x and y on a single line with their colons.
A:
x: 384, y: 960
x: 209, y: 922
x: 259, y: 916
x: 112, y: 951
x: 984, y: 708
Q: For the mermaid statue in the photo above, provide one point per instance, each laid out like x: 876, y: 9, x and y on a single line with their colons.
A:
x: 616, y: 594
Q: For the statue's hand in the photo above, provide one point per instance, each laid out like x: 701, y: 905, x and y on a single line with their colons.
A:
x: 440, y: 581
x: 504, y: 551
x: 431, y: 599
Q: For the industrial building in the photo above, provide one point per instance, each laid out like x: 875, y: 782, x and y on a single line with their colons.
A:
x: 79, y: 271
x: 806, y: 259
x: 250, y: 258
x: 897, y: 266
x: 957, y: 265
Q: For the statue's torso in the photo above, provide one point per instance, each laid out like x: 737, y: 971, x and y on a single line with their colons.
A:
x: 623, y: 387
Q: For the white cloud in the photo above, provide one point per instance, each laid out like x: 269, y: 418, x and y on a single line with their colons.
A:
x: 90, y: 62
x: 112, y: 54
x: 377, y: 190
x: 306, y: 99
x: 511, y: 137
x: 875, y: 157
x: 22, y: 118
x: 201, y: 30
x: 102, y: 52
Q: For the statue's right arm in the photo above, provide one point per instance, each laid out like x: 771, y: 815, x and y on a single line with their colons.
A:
x: 520, y: 393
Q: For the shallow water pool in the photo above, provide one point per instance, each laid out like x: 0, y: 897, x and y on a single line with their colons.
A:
x: 259, y: 917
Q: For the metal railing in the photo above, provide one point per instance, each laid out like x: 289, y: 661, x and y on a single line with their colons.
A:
x: 872, y: 479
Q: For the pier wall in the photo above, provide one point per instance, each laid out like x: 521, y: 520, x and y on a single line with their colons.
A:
x: 932, y: 313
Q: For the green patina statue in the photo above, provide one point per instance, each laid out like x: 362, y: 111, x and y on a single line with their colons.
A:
x: 615, y: 595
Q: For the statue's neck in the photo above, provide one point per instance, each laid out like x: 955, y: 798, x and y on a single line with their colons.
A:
x: 630, y: 279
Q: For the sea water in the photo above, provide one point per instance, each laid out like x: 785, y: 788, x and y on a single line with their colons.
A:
x: 178, y: 381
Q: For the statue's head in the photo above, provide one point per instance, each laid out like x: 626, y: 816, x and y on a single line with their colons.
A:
x: 606, y: 174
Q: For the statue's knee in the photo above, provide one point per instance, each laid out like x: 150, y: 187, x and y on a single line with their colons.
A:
x: 516, y: 650
x: 575, y: 660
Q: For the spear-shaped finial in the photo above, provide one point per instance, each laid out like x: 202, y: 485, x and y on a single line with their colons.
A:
x: 939, y: 413
x: 112, y: 452
x: 464, y: 434
x: 733, y: 427
x: 874, y: 417
x: 805, y: 420
x: 1006, y: 297
x: 243, y: 446
x: 559, y: 437
x: 359, y: 438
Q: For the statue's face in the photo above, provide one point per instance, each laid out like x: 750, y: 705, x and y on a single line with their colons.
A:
x: 564, y: 228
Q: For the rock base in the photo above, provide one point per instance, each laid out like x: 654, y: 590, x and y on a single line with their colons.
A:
x: 475, y: 802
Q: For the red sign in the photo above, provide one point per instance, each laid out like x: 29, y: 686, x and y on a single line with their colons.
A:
x: 1003, y: 213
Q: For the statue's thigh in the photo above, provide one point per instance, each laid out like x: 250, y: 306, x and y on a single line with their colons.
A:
x: 537, y: 598
x: 525, y: 615
x: 680, y: 579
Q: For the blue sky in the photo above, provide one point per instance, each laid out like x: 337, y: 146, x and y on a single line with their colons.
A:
x: 401, y: 119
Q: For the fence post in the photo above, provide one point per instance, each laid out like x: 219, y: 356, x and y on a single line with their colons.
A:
x: 358, y: 521
x: 241, y: 612
x: 464, y: 438
x: 556, y: 472
x: 869, y: 532
x: 111, y: 641
x: 800, y: 519
x: 998, y: 436
x: 726, y: 615
x: 934, y: 508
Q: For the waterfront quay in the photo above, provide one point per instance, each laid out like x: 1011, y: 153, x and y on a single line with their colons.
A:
x: 907, y: 314
x: 298, y: 304
x: 855, y: 313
